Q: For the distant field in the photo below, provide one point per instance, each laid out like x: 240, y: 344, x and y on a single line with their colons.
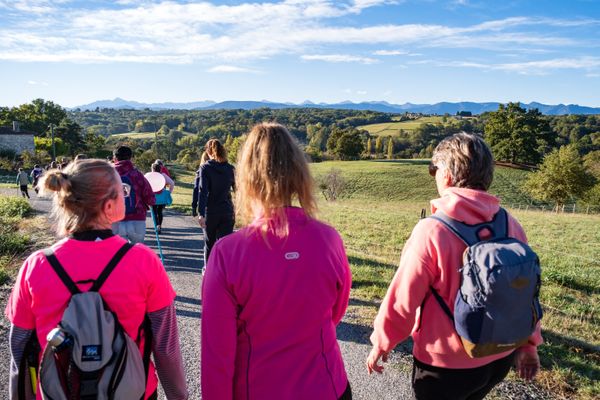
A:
x: 140, y: 135
x: 383, y: 203
x: 392, y: 128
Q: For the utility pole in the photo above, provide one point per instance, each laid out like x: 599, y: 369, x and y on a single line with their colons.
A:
x: 51, y: 126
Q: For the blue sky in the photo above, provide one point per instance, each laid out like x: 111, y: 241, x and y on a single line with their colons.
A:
x: 418, y: 51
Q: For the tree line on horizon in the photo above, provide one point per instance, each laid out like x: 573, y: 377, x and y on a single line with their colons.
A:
x: 515, y: 135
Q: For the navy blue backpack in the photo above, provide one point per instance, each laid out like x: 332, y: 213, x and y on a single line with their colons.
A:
x: 130, y: 201
x: 497, y: 306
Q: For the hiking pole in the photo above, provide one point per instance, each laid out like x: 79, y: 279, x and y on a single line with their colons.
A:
x: 157, y: 239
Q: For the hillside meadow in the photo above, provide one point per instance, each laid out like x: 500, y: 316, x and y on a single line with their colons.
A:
x: 393, y: 128
x: 383, y: 201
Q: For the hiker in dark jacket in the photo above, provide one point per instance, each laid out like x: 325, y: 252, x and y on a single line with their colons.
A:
x: 211, y: 199
x: 140, y: 198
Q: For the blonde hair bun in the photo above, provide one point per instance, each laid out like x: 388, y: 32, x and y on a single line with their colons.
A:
x: 57, y: 181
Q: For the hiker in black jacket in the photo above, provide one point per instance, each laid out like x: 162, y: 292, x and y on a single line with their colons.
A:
x: 211, y: 200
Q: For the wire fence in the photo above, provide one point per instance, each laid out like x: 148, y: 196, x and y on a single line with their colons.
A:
x: 563, y: 209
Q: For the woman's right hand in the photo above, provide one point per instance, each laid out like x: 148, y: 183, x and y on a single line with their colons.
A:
x: 527, y: 364
x: 373, y: 360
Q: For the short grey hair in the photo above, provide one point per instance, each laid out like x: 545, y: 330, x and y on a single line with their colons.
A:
x: 467, y: 158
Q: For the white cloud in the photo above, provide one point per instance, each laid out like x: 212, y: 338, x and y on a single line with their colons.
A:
x: 230, y: 69
x: 186, y: 32
x: 390, y: 53
x: 37, y: 83
x: 361, y: 92
x: 527, y: 68
x: 339, y: 58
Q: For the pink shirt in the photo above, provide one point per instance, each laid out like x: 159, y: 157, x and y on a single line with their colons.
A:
x: 269, y: 313
x: 431, y: 257
x: 138, y: 285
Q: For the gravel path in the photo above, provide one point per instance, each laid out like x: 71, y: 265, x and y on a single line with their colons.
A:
x: 181, y: 242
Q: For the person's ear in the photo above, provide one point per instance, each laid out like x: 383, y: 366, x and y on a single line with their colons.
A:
x: 110, y: 211
x: 446, y: 177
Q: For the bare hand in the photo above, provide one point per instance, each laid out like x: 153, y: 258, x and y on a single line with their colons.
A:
x: 373, y: 360
x: 202, y: 222
x: 527, y: 364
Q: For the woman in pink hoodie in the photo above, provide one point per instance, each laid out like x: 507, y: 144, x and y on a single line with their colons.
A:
x: 274, y: 291
x: 463, y: 167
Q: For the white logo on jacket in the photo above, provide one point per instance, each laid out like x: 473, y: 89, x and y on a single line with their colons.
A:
x: 294, y: 255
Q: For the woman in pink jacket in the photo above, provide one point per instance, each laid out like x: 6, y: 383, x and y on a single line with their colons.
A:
x: 274, y: 291
x: 88, y: 196
x: 463, y: 167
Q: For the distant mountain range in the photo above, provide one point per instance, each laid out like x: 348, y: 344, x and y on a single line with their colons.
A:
x: 381, y: 106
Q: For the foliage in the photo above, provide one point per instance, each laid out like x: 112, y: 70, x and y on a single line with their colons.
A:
x: 45, y: 144
x: 40, y: 157
x: 35, y: 116
x: 70, y: 133
x: 346, y: 144
x: 14, y: 207
x: 234, y: 147
x: 561, y: 177
x: 332, y: 184
x: 378, y: 145
x: 390, y: 148
x: 144, y: 161
x: 517, y: 135
x: 94, y: 143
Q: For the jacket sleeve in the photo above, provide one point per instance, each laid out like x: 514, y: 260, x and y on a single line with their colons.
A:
x: 167, y: 353
x: 169, y: 182
x: 203, y: 192
x: 396, y: 317
x: 18, y: 339
x: 147, y: 193
x: 219, y: 331
x: 344, y: 285
x: 195, y: 192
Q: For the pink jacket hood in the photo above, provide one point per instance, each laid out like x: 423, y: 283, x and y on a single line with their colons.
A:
x: 467, y: 205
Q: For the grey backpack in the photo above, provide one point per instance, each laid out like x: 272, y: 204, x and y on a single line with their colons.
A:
x: 89, y: 356
x: 497, y: 306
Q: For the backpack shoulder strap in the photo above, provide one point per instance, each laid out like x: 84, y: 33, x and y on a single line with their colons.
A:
x: 110, y: 267
x: 469, y: 234
x: 60, y: 271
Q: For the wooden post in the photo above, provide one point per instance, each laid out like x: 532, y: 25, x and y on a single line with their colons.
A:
x: 588, y: 210
x: 563, y: 209
x: 573, y: 208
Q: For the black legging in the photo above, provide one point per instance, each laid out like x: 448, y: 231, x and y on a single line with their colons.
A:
x: 158, y: 212
x: 217, y: 226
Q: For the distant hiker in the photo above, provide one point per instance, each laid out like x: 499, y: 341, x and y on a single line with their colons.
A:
x: 163, y: 168
x: 23, y: 181
x: 274, y: 292
x: 137, y: 201
x: 204, y: 159
x: 87, y: 199
x: 53, y: 165
x: 421, y: 299
x: 211, y: 198
x: 163, y: 197
x: 64, y: 161
x: 35, y: 175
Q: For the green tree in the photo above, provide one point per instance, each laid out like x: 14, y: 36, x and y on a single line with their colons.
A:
x: 517, y: 135
x: 345, y: 144
x: 70, y: 133
x: 390, y: 148
x: 35, y: 116
x: 561, y: 177
x: 94, y: 143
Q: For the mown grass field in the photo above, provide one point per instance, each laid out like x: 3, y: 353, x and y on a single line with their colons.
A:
x: 139, y: 135
x: 382, y: 203
x: 392, y: 128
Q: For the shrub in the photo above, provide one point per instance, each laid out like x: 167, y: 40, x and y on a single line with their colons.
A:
x: 14, y: 207
x: 332, y: 185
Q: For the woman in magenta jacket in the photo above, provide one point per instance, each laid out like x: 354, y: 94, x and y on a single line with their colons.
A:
x: 275, y: 290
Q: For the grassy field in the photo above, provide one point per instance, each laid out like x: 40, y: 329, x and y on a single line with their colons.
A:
x: 383, y: 202
x: 392, y: 128
x: 139, y: 135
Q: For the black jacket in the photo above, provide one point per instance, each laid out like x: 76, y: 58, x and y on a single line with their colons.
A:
x: 212, y: 189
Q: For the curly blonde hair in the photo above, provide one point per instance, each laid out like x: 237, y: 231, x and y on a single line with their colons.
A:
x: 271, y: 174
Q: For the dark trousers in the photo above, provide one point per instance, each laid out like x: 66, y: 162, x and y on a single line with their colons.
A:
x: 24, y: 191
x: 158, y: 211
x: 217, y: 226
x: 431, y: 382
x: 347, y: 395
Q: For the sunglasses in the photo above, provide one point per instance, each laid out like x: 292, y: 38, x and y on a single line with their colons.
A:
x: 432, y: 169
x: 126, y: 189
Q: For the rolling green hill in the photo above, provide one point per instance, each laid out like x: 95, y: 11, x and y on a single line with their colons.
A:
x: 140, y: 135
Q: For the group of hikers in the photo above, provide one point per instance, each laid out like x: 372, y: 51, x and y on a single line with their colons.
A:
x: 24, y: 179
x: 274, y: 291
